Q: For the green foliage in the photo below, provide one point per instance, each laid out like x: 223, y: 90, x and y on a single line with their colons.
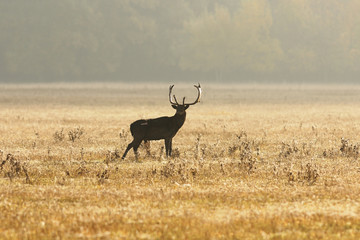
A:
x: 225, y: 41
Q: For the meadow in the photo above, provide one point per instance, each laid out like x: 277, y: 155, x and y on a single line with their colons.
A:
x: 250, y: 162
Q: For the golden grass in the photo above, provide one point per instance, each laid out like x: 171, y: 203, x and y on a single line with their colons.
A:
x: 252, y: 162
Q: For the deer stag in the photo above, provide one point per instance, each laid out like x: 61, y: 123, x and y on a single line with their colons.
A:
x: 160, y: 128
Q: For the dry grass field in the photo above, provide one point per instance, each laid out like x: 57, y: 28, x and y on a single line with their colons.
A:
x: 250, y: 162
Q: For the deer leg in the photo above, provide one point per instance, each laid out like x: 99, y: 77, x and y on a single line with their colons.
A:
x: 167, y: 146
x: 135, y: 147
x: 147, y: 147
x: 170, y: 147
x: 127, y: 149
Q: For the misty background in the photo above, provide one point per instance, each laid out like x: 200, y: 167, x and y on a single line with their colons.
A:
x: 184, y: 40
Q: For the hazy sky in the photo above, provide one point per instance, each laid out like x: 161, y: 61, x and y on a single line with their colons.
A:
x: 183, y: 40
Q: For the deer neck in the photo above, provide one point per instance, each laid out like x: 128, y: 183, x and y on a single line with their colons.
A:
x: 179, y: 119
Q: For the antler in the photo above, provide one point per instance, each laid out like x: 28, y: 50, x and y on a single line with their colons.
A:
x: 170, y: 98
x: 183, y: 103
x: 198, y: 97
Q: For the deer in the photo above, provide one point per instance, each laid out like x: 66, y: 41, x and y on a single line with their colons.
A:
x: 162, y: 127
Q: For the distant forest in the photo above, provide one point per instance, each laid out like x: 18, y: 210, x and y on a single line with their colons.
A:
x: 184, y: 40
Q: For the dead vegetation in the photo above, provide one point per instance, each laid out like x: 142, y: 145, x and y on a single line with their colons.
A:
x: 238, y: 172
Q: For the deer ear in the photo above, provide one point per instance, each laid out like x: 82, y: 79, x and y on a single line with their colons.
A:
x: 186, y: 106
x: 174, y: 106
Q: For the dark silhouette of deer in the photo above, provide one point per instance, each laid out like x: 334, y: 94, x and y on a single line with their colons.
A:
x: 160, y: 128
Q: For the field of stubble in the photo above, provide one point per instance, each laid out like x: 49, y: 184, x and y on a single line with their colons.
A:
x: 250, y: 162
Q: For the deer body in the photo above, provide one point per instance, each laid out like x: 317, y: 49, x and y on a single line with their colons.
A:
x: 157, y: 128
x: 160, y: 128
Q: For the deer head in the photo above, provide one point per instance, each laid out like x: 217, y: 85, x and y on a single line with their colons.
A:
x: 181, y: 108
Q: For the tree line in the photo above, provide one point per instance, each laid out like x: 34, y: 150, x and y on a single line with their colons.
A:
x: 127, y: 40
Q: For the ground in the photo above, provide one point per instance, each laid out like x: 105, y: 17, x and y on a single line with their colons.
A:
x: 250, y: 162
